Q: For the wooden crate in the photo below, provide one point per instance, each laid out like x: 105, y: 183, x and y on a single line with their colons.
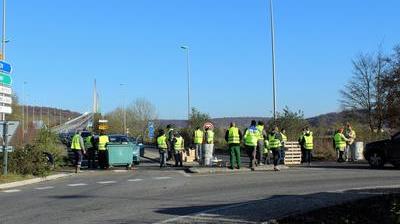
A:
x: 293, y: 153
x: 189, y: 155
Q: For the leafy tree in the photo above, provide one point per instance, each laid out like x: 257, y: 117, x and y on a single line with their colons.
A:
x: 292, y: 121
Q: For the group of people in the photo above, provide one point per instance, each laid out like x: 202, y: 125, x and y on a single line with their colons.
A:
x: 171, y: 144
x: 89, y: 146
x: 260, y: 146
x: 343, y: 142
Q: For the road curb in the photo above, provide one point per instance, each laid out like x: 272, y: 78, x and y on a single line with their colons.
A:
x: 33, y: 181
x: 210, y: 170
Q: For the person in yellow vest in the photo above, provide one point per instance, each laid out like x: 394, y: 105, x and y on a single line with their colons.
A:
x: 179, y: 146
x: 234, y: 136
x: 260, y: 142
x: 283, y: 149
x: 340, y: 141
x: 162, y: 148
x: 78, y: 147
x: 102, y: 149
x: 350, y: 134
x: 251, y: 136
x: 198, y: 137
x: 274, y: 144
x: 91, y: 151
x: 308, y: 143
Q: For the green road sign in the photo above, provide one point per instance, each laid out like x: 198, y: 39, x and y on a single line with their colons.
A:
x: 5, y: 79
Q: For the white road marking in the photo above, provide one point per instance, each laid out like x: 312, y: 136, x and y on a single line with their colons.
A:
x: 161, y: 178
x: 44, y: 188
x: 76, y: 185
x: 120, y: 171
x: 365, y: 188
x: 135, y: 180
x: 11, y: 191
x: 107, y: 182
x: 183, y: 173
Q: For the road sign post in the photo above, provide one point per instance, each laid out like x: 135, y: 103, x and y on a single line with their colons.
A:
x: 7, y: 130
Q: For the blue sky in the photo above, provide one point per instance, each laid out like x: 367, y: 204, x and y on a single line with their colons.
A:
x: 59, y: 47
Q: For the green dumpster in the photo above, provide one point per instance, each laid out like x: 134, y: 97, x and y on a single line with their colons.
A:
x: 119, y: 154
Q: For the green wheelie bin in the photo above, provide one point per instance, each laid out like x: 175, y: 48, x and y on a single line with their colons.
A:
x: 120, y: 154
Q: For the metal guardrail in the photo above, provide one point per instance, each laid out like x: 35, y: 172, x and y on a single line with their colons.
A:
x: 78, y: 123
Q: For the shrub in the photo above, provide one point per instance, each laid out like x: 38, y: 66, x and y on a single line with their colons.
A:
x: 28, y: 160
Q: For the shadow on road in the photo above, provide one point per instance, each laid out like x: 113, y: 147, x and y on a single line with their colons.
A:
x: 70, y: 196
x: 274, y: 207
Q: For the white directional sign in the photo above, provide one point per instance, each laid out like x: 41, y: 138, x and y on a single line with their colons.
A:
x: 5, y: 99
x: 5, y: 109
x: 5, y: 90
x: 9, y: 149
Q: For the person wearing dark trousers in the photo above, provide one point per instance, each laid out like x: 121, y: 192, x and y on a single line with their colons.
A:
x: 162, y: 148
x: 102, y: 149
x: 283, y: 148
x: 91, y: 151
x: 179, y: 145
x: 308, y: 143
x: 234, y: 136
x: 251, y: 136
x: 274, y: 141
x: 170, y: 144
x: 78, y: 147
x: 303, y: 150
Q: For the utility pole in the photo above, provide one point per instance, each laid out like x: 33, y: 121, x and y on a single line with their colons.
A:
x: 3, y: 49
x: 188, y: 80
x: 271, y: 11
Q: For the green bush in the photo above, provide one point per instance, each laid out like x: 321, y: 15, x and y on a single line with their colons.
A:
x: 28, y: 160
x: 48, y: 142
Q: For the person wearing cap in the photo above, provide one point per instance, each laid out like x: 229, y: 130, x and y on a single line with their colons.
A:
x: 340, y: 144
x: 78, y: 147
x: 234, y: 136
x: 251, y: 136
x: 274, y: 144
x: 179, y: 146
x: 162, y: 148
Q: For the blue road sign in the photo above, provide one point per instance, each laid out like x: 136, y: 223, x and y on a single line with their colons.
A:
x: 5, y: 67
x: 151, y: 130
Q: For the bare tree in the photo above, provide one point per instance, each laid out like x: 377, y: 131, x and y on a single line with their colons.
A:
x: 392, y: 85
x: 365, y: 90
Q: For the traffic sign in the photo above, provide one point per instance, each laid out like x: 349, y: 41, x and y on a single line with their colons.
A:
x: 5, y: 79
x: 151, y: 130
x: 12, y: 127
x: 5, y: 99
x: 208, y: 125
x: 5, y: 67
x: 9, y: 149
x: 5, y: 90
x: 6, y: 109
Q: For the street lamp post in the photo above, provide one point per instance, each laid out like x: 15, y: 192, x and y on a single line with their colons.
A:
x: 271, y: 11
x: 124, y: 108
x: 186, y: 48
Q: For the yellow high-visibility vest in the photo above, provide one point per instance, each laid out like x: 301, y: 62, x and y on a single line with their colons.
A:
x: 103, y: 140
x: 76, y: 144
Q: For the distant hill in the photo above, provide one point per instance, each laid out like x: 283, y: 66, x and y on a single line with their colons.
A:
x: 328, y: 119
x: 50, y: 116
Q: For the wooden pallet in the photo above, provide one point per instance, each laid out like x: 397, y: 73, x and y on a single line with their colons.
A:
x: 189, y: 155
x: 293, y: 153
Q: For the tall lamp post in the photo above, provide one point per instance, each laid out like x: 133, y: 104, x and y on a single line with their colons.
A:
x: 186, y: 48
x: 271, y: 12
x: 124, y: 108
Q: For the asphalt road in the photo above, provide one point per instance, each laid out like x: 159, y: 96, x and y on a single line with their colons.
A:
x: 150, y: 195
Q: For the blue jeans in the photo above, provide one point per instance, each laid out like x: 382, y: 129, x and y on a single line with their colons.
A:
x: 163, y: 158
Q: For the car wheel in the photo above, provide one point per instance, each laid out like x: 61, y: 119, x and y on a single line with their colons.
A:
x: 376, y: 160
x: 396, y: 165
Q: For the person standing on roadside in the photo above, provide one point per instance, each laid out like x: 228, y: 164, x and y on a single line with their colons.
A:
x: 350, y: 134
x: 234, y: 136
x: 198, y: 137
x: 340, y: 144
x: 282, y: 152
x: 78, y: 147
x: 162, y: 148
x: 170, y: 138
x: 260, y: 142
x: 251, y: 136
x: 274, y: 142
x: 308, y: 143
x: 179, y: 146
x: 102, y: 149
x: 303, y: 150
x: 91, y: 151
